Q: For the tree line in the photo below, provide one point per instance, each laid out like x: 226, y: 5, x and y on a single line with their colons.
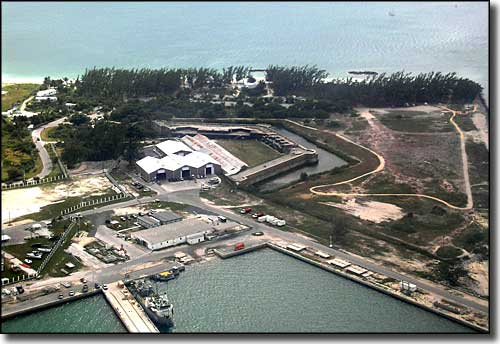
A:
x: 146, y: 82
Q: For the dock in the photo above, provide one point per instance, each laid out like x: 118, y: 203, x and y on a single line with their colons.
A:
x: 128, y: 309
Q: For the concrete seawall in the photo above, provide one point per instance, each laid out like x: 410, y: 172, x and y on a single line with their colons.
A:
x: 49, y: 304
x: 375, y: 287
x: 389, y: 292
x: 273, y: 168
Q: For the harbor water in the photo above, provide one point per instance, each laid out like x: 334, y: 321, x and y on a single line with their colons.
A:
x: 327, y: 161
x: 90, y: 315
x: 262, y: 291
x: 267, y: 291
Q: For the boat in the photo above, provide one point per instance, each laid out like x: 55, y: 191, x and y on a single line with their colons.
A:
x: 165, y: 276
x: 391, y: 14
x: 159, y: 309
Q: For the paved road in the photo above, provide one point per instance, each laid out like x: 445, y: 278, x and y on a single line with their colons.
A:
x: 191, y: 197
x: 40, y: 146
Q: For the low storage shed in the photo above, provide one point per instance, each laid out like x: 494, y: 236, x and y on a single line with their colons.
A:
x: 189, y: 231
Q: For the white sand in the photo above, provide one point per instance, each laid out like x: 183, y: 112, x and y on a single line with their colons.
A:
x: 29, y: 200
x: 481, y: 124
x: 370, y: 210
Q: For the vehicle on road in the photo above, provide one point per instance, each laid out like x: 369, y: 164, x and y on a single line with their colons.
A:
x: 85, y: 288
x: 20, y: 289
x: 28, y: 261
x: 258, y: 214
x: 104, y: 287
x: 83, y: 280
x: 97, y: 286
x: 71, y: 293
x: 239, y: 246
x: 122, y: 218
x: 245, y: 210
x: 66, y: 284
x: 258, y: 233
x: 61, y: 296
x: 221, y: 218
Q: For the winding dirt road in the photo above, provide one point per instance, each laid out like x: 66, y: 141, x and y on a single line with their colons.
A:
x: 381, y: 166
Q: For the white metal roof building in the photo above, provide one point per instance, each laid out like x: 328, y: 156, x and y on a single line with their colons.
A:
x: 180, y: 162
x: 189, y: 231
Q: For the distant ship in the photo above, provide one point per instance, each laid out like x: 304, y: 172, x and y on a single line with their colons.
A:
x: 391, y: 14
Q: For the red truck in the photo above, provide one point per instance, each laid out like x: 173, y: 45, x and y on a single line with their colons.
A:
x: 239, y: 246
x: 245, y: 211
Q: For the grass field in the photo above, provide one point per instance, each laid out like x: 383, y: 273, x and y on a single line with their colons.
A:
x: 46, y: 134
x: 415, y: 122
x: 16, y: 93
x: 252, y: 152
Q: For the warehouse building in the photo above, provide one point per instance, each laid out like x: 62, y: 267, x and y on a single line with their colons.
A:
x: 166, y: 217
x: 177, y: 162
x: 191, y: 231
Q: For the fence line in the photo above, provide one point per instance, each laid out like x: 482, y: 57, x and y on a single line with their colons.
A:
x: 93, y: 202
x: 56, y: 247
x: 34, y: 182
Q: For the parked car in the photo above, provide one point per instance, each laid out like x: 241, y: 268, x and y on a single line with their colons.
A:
x: 85, y: 288
x: 221, y: 218
x: 71, y: 293
x: 258, y: 233
x: 104, y: 287
x: 20, y: 289
x: 83, y: 280
x: 28, y: 261
x: 61, y: 296
x: 97, y: 286
x: 259, y: 214
x: 245, y: 210
x: 122, y: 218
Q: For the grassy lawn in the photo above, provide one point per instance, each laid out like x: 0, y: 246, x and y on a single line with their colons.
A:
x: 415, y: 121
x: 252, y: 152
x: 167, y: 205
x: 46, y: 134
x: 16, y: 93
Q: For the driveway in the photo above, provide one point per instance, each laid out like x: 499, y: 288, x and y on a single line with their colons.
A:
x: 40, y: 146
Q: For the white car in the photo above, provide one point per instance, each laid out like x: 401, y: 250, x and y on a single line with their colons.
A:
x: 28, y: 261
x: 104, y: 287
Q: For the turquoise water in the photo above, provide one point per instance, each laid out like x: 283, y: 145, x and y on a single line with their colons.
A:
x: 267, y: 291
x: 62, y: 39
x: 263, y: 291
x: 92, y: 314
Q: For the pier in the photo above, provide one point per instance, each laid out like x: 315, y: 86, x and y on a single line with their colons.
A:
x: 128, y: 309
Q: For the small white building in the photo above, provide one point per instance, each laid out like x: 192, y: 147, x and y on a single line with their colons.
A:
x: 46, y: 93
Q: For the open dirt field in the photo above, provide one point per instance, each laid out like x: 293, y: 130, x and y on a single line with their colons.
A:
x: 370, y: 210
x: 29, y: 200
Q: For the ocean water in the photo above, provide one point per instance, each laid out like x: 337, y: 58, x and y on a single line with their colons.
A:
x: 62, y: 39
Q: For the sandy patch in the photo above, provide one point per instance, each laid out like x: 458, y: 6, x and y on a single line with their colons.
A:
x: 481, y: 124
x: 371, y: 210
x: 30, y: 200
x: 365, y: 113
x: 128, y: 210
